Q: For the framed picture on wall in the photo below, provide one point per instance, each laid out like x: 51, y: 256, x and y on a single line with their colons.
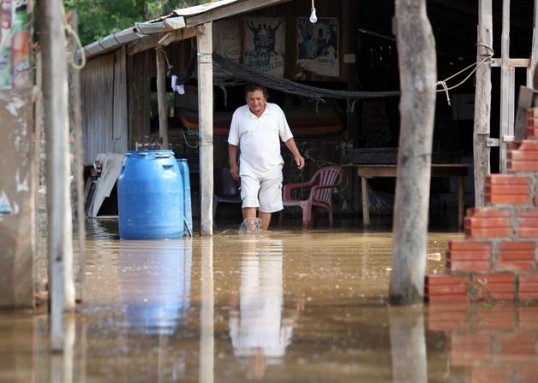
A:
x: 227, y: 39
x: 265, y: 44
x: 317, y: 46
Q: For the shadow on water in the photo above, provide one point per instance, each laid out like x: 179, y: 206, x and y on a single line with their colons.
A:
x: 280, y: 306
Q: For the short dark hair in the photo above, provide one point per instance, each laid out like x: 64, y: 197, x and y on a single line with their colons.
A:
x: 254, y: 87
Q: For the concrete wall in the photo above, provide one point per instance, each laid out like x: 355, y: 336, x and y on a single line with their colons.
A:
x: 17, y: 201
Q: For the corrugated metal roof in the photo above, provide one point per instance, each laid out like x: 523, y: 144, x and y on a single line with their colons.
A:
x: 174, y: 21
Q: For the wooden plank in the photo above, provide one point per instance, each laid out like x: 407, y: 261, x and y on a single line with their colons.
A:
x: 120, y: 118
x: 205, y: 106
x: 161, y: 97
x: 110, y: 170
x: 533, y: 61
x: 525, y: 101
x: 507, y: 85
x: 482, y: 112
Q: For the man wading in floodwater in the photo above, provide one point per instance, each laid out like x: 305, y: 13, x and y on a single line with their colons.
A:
x: 256, y: 131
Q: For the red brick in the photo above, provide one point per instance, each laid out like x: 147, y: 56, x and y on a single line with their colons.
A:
x: 527, y: 296
x: 521, y: 343
x: 527, y: 232
x: 526, y: 155
x: 446, y: 289
x: 531, y: 113
x: 522, y: 166
x: 485, y: 279
x: 528, y: 145
x: 526, y: 373
x: 528, y: 287
x: 506, y: 179
x: 507, y: 189
x: 468, y: 255
x: 492, y: 232
x: 446, y: 298
x: 491, y: 374
x: 517, y: 245
x: 527, y: 317
x: 468, y: 265
x: 508, y: 199
x: 487, y: 212
x: 496, y: 287
x: 446, y: 279
x: 513, y: 145
x: 532, y: 133
x: 528, y: 278
x: 515, y: 265
x: 528, y: 222
x: 516, y: 256
x: 493, y: 287
x: 463, y: 244
x: 474, y: 222
x: 528, y: 213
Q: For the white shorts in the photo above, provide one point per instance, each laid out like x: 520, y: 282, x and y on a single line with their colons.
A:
x: 263, y: 192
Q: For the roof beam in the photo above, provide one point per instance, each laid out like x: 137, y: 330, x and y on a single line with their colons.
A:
x: 233, y: 9
x: 152, y: 41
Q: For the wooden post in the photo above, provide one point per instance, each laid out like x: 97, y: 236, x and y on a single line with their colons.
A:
x: 418, y: 77
x: 482, y: 109
x: 161, y: 97
x: 507, y: 89
x: 205, y: 108
x: 534, y: 51
x: 78, y: 177
x: 61, y: 286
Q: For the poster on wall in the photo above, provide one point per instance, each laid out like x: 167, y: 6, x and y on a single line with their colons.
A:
x: 227, y: 39
x: 15, y: 66
x: 265, y: 44
x: 317, y: 46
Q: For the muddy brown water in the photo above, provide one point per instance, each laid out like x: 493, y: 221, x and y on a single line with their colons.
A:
x: 280, y: 306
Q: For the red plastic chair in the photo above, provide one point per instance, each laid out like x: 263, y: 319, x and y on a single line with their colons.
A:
x: 321, y: 187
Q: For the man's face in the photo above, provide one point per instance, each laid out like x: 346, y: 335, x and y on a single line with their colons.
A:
x: 256, y: 102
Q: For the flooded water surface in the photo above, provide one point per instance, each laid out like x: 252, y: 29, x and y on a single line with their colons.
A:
x: 279, y: 306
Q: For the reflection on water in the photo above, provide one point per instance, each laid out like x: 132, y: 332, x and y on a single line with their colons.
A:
x: 154, y: 283
x: 489, y: 343
x: 260, y: 328
x: 283, y: 306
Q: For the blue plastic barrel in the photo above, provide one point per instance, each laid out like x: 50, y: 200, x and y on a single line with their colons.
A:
x: 150, y: 196
x: 187, y: 204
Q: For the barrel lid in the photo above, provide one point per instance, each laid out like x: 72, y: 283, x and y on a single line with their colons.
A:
x: 150, y: 153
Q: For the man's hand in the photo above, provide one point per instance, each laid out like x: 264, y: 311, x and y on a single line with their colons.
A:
x: 234, y: 170
x: 299, y: 161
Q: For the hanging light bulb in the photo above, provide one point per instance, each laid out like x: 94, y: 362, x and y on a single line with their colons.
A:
x: 313, y: 17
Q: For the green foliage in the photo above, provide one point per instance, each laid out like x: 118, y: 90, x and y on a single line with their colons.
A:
x: 99, y: 18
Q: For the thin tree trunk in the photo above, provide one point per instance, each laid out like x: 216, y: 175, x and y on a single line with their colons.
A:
x: 417, y: 62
